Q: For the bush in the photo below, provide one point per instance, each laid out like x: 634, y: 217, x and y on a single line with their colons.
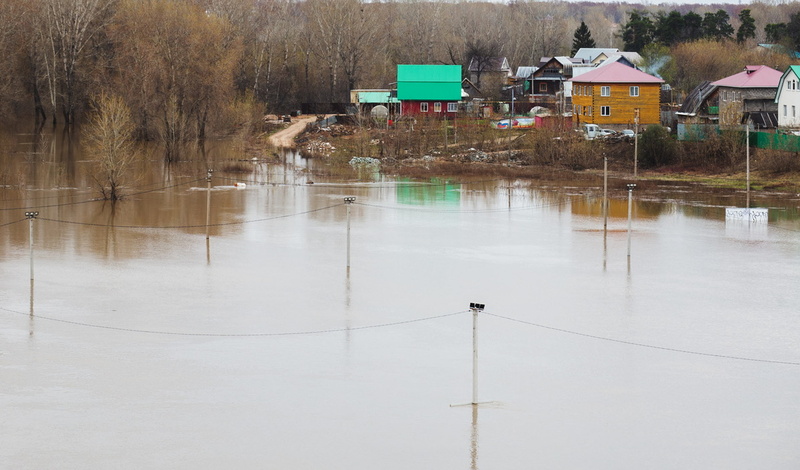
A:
x: 657, y: 148
x: 778, y: 161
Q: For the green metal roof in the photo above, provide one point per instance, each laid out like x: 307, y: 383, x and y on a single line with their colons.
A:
x: 429, y: 82
x: 375, y: 97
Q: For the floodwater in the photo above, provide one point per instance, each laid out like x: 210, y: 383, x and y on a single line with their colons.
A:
x: 153, y: 347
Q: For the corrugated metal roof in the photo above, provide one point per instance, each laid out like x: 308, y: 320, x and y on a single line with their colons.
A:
x: 375, y: 97
x: 429, y: 82
x: 691, y: 105
x: 590, y: 53
x: 526, y: 71
x: 753, y: 76
x: 616, y: 73
x: 428, y: 73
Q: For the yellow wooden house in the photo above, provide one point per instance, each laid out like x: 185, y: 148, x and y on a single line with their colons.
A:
x: 611, y: 95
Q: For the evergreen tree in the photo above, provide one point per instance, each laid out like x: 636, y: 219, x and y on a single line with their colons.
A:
x: 747, y: 30
x: 669, y: 28
x: 692, y: 27
x: 638, y: 31
x: 583, y: 38
x: 716, y: 26
x: 775, y: 32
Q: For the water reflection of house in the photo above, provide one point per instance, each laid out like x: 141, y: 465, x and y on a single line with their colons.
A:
x: 437, y: 191
x: 617, y: 208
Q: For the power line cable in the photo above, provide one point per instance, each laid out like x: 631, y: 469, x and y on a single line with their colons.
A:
x: 12, y: 223
x: 74, y: 203
x: 643, y: 345
x: 241, y: 222
x: 235, y: 335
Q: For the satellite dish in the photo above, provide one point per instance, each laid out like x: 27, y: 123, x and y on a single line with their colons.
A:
x: 379, y: 112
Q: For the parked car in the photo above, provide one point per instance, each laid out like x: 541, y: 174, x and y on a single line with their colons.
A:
x: 605, y: 133
x: 627, y: 133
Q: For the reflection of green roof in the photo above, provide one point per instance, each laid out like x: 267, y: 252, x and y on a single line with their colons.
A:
x: 375, y: 97
x: 421, y: 194
x: 429, y: 82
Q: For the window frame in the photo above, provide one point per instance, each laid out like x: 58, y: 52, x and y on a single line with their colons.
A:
x: 452, y: 107
x: 423, y: 107
x: 605, y: 90
x: 605, y: 110
x: 633, y: 90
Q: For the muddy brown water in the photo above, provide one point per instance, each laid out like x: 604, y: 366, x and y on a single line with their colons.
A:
x: 151, y: 347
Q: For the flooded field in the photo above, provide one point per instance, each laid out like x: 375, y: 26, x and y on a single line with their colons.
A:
x: 151, y: 346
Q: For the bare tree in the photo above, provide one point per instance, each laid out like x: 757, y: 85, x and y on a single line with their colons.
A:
x: 69, y: 27
x: 109, y: 140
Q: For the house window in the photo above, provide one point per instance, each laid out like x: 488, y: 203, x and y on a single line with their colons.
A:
x: 437, y: 107
x: 589, y: 110
x: 605, y: 110
x: 577, y: 90
x: 452, y: 107
x: 793, y: 113
x: 423, y: 107
x: 605, y: 91
x: 634, y: 91
x: 578, y: 109
x: 543, y: 87
x: 784, y: 110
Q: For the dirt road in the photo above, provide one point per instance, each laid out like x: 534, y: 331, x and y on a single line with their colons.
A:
x: 285, y: 137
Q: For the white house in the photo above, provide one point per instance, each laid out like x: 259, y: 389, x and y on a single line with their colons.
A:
x: 788, y: 98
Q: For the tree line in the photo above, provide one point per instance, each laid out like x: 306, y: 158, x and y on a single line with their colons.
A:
x: 191, y: 68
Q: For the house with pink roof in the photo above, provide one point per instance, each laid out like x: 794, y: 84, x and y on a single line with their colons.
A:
x: 612, y: 96
x: 749, y: 94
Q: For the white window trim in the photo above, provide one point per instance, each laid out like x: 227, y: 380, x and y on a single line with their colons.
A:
x: 634, y: 90
x: 437, y: 107
x: 452, y: 107
x: 605, y: 91
x: 605, y: 110
x: 423, y: 107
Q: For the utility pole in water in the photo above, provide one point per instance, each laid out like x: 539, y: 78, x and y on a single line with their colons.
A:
x: 348, y: 201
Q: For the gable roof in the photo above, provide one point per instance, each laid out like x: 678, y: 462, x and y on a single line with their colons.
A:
x: 792, y: 70
x: 616, y: 73
x: 695, y: 99
x: 429, y: 82
x: 490, y: 64
x: 525, y: 71
x: 753, y: 76
x: 588, y: 54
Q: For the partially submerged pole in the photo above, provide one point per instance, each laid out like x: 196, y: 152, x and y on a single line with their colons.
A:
x: 475, y: 309
x: 208, y: 202
x: 348, y: 201
x: 630, y: 203
x: 747, y: 146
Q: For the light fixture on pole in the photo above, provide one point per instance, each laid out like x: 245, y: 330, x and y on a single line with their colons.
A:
x: 348, y: 201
